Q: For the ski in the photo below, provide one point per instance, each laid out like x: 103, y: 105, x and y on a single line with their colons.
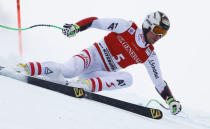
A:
x: 64, y: 89
x: 69, y: 90
x: 141, y: 110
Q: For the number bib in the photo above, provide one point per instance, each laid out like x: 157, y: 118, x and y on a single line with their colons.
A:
x: 124, y: 49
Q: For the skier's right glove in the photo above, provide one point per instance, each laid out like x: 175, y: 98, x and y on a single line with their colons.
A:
x: 174, y: 106
x: 70, y: 30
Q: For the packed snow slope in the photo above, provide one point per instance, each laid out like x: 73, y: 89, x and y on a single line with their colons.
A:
x: 24, y: 106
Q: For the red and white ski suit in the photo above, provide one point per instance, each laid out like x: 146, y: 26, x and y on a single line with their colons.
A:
x: 100, y: 63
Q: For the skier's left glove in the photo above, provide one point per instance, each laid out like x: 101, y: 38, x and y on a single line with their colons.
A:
x: 174, y: 106
x: 70, y: 30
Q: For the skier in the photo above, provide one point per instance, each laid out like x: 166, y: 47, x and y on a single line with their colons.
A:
x: 98, y: 66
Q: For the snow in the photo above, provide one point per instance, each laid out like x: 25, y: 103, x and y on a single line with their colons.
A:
x: 24, y: 106
x: 183, y: 55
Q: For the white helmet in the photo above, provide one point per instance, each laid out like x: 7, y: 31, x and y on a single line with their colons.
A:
x: 156, y: 18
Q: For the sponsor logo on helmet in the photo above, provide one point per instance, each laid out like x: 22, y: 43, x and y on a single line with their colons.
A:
x: 165, y: 21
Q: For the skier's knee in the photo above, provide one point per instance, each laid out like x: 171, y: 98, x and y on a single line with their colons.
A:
x: 77, y: 64
x: 85, y: 58
x: 124, y: 79
x: 128, y: 78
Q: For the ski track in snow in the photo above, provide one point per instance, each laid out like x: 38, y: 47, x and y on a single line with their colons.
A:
x: 24, y: 106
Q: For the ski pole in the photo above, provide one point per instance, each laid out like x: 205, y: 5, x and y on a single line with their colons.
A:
x: 27, y: 28
x: 154, y: 100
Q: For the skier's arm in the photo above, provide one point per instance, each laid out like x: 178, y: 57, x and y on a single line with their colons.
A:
x: 110, y: 24
x: 71, y: 30
x: 86, y: 23
x: 153, y: 68
x: 117, y: 25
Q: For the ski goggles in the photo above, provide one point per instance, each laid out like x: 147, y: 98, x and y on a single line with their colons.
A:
x: 158, y: 30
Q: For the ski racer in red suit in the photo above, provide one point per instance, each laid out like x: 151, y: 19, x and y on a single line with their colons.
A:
x: 98, y: 66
